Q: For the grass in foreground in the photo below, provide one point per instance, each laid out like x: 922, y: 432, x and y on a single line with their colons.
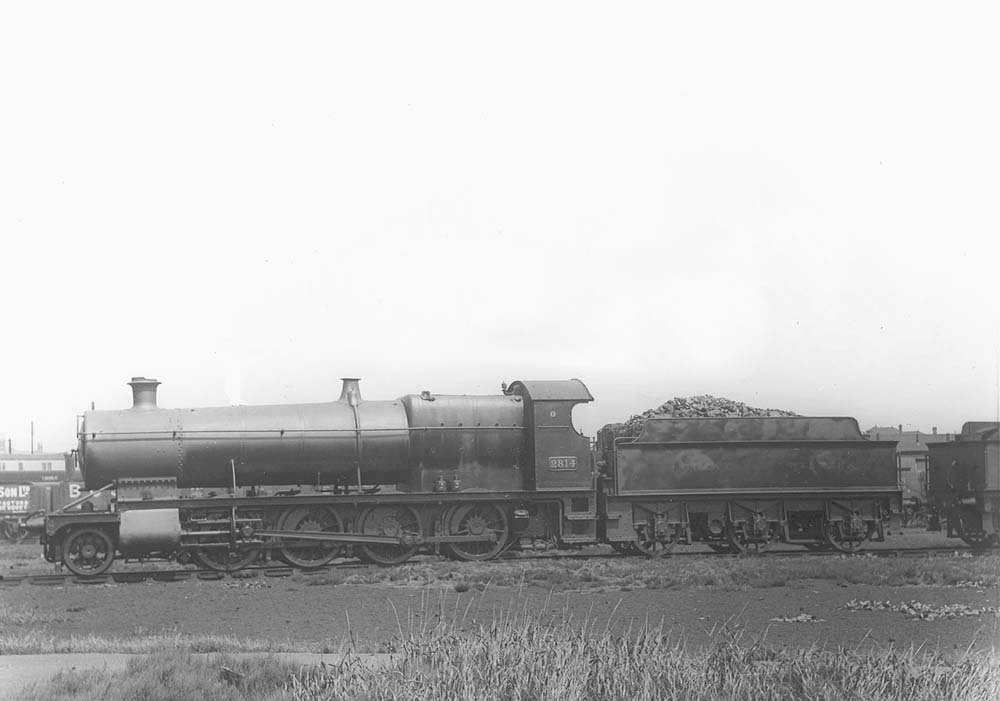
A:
x: 514, y: 656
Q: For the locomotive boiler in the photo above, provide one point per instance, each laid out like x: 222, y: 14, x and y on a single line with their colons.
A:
x: 408, y: 442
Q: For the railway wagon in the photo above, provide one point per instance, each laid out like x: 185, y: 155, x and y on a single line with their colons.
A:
x: 744, y: 483
x: 32, y: 482
x: 964, y: 483
x: 16, y: 502
x: 19, y: 501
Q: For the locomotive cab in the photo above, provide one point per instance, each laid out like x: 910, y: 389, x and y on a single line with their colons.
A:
x: 561, y: 453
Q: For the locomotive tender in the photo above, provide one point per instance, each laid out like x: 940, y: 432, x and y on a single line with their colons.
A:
x: 963, y: 483
x: 465, y: 476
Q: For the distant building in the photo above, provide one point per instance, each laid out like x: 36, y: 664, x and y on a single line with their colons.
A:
x: 911, y: 455
x: 33, y: 467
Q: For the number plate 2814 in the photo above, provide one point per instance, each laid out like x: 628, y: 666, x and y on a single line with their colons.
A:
x: 561, y: 463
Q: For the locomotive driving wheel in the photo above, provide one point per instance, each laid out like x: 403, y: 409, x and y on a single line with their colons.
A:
x: 394, y: 521
x: 88, y: 552
x: 481, y: 521
x: 223, y: 559
x: 309, y: 554
x: 221, y: 553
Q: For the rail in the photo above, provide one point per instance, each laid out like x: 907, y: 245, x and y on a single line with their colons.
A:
x: 176, y: 574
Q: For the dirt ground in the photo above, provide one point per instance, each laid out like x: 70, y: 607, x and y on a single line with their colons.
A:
x: 312, y: 614
x: 372, y: 617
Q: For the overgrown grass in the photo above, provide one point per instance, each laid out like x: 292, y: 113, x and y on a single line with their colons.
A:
x: 517, y: 656
x: 179, y: 675
x: 40, y: 643
x: 737, y: 573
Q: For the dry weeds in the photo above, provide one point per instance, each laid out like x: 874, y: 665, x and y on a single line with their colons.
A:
x: 516, y: 655
x: 733, y: 573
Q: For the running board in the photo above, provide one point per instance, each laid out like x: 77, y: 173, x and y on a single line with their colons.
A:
x: 361, y: 539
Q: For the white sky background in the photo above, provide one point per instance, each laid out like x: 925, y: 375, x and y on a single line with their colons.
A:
x: 789, y: 206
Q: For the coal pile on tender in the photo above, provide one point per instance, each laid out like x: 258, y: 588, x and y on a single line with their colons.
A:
x: 701, y: 406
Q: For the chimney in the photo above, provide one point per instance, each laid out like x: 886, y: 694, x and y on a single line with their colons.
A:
x: 350, y: 392
x: 143, y: 392
x: 900, y: 429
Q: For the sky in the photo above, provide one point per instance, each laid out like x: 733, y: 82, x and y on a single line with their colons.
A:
x: 787, y: 205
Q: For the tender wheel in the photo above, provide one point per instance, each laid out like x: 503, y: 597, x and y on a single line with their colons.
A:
x: 979, y: 541
x: 624, y: 547
x: 88, y: 552
x: 741, y: 541
x: 482, y: 520
x: 817, y: 547
x: 719, y: 547
x: 847, y: 536
x: 309, y: 554
x: 968, y: 523
x: 393, y: 521
x: 653, y: 541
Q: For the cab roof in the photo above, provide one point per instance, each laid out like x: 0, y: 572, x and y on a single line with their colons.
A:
x: 551, y: 390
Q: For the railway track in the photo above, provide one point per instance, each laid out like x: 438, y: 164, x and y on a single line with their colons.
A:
x: 281, y: 571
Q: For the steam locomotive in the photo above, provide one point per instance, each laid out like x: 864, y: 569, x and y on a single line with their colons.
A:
x: 963, y: 483
x: 457, y: 475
